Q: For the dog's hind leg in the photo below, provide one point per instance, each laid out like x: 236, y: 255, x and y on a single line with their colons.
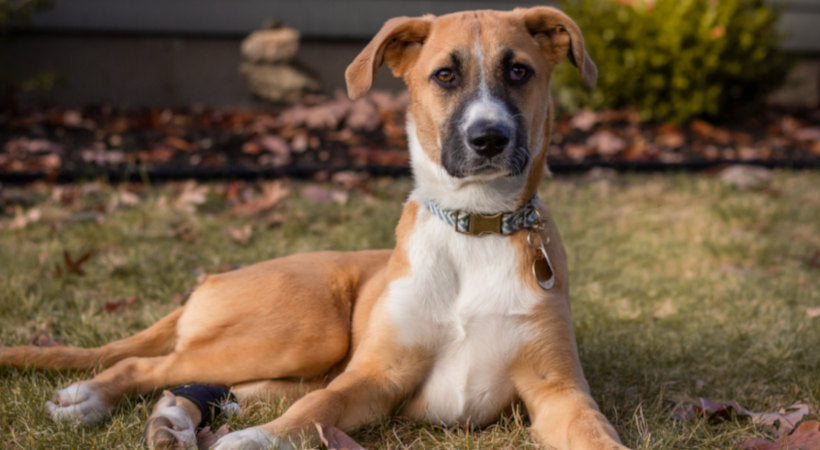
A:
x: 154, y: 341
x: 175, y: 417
x: 218, y: 363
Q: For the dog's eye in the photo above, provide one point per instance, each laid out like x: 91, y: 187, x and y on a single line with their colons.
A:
x: 446, y: 77
x: 519, y: 74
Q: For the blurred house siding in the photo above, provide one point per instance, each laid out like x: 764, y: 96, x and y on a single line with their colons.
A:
x: 178, y: 52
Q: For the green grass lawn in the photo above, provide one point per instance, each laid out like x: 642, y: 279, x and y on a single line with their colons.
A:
x: 682, y: 287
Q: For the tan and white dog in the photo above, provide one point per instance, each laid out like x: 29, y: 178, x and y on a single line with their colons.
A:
x: 467, y: 315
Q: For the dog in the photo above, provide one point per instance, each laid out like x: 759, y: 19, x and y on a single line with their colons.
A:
x: 466, y: 316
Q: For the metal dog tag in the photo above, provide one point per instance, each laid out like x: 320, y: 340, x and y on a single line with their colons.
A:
x: 542, y: 269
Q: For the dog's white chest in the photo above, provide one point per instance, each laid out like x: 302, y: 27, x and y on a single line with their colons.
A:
x: 464, y: 301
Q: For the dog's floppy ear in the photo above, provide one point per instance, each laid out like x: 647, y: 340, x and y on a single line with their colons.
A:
x: 558, y: 35
x: 397, y: 43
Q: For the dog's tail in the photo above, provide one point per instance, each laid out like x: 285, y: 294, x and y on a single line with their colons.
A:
x: 155, y: 340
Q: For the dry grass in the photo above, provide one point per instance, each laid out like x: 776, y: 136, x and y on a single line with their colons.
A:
x: 682, y: 287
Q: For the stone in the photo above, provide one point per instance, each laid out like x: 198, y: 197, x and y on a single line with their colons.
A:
x: 279, y: 83
x: 276, y: 45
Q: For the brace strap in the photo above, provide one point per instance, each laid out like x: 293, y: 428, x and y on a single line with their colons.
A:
x: 210, y: 400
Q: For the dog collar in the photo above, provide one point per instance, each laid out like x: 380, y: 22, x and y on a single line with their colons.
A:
x: 504, y: 223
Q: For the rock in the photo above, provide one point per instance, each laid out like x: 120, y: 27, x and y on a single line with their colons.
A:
x: 278, y: 82
x: 278, y: 45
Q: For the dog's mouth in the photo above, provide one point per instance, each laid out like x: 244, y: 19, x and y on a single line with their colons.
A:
x: 461, y: 162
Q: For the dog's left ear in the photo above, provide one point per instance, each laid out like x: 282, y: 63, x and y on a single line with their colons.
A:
x: 558, y: 36
x: 398, y: 43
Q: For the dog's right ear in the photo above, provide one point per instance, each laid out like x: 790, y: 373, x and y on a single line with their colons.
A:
x: 398, y: 43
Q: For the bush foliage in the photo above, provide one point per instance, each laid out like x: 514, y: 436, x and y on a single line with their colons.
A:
x: 676, y: 59
x: 14, y: 12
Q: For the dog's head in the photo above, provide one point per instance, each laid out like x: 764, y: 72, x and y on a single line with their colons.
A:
x: 479, y: 82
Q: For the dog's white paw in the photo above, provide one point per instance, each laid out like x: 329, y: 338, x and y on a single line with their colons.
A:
x: 250, y: 439
x: 169, y: 426
x: 77, y: 403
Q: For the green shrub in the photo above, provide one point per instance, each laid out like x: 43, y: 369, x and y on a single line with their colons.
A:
x: 14, y: 12
x: 676, y: 59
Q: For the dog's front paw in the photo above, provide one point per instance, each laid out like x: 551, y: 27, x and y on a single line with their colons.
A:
x: 78, y: 403
x: 169, y: 426
x: 250, y: 439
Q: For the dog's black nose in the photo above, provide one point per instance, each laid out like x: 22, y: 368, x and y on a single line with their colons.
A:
x: 488, y: 139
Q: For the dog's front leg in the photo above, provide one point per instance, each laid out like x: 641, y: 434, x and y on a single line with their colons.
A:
x: 381, y: 373
x: 548, y: 378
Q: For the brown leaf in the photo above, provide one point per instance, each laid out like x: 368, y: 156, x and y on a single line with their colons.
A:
x: 336, y: 439
x: 606, y: 143
x: 669, y: 136
x: 111, y: 306
x: 782, y: 421
x: 178, y: 143
x: 187, y: 231
x: 584, y: 120
x: 75, y: 266
x: 813, y: 312
x: 703, y: 407
x: 805, y: 437
x: 813, y: 260
x: 240, y: 235
x: 272, y: 194
x: 192, y: 195
x: 363, y: 116
x: 319, y: 194
x: 43, y: 340
x: 277, y: 147
x: 205, y: 438
x: 349, y: 179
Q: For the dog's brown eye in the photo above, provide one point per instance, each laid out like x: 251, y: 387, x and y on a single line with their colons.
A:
x: 518, y: 74
x: 446, y: 77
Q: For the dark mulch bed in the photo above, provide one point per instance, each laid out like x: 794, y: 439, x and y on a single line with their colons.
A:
x: 327, y: 134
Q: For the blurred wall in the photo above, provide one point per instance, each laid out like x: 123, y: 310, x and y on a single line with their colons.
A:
x: 179, y: 52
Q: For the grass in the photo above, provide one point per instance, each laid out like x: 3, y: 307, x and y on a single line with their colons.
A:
x: 682, y: 287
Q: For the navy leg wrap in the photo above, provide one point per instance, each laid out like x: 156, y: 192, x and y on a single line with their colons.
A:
x: 209, y: 400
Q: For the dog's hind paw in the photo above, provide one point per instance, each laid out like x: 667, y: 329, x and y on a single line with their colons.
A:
x: 250, y: 439
x: 169, y: 427
x: 77, y: 403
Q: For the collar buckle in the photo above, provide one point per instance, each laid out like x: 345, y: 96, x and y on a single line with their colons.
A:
x: 481, y: 224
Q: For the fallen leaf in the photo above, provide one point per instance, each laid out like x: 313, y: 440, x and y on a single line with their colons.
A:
x: 240, y: 235
x: 349, y: 179
x: 75, y: 266
x: 206, y: 438
x: 805, y: 437
x: 782, y: 421
x: 606, y: 143
x: 272, y: 194
x: 43, y: 340
x: 178, y: 143
x: 703, y: 407
x: 336, y: 439
x: 318, y: 194
x: 813, y: 312
x: 192, y: 195
x: 363, y: 116
x: 670, y: 136
x: 22, y: 219
x: 813, y: 260
x: 187, y: 231
x: 584, y: 120
x: 111, y: 306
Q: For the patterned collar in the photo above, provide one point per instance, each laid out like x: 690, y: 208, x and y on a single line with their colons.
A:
x: 505, y: 223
